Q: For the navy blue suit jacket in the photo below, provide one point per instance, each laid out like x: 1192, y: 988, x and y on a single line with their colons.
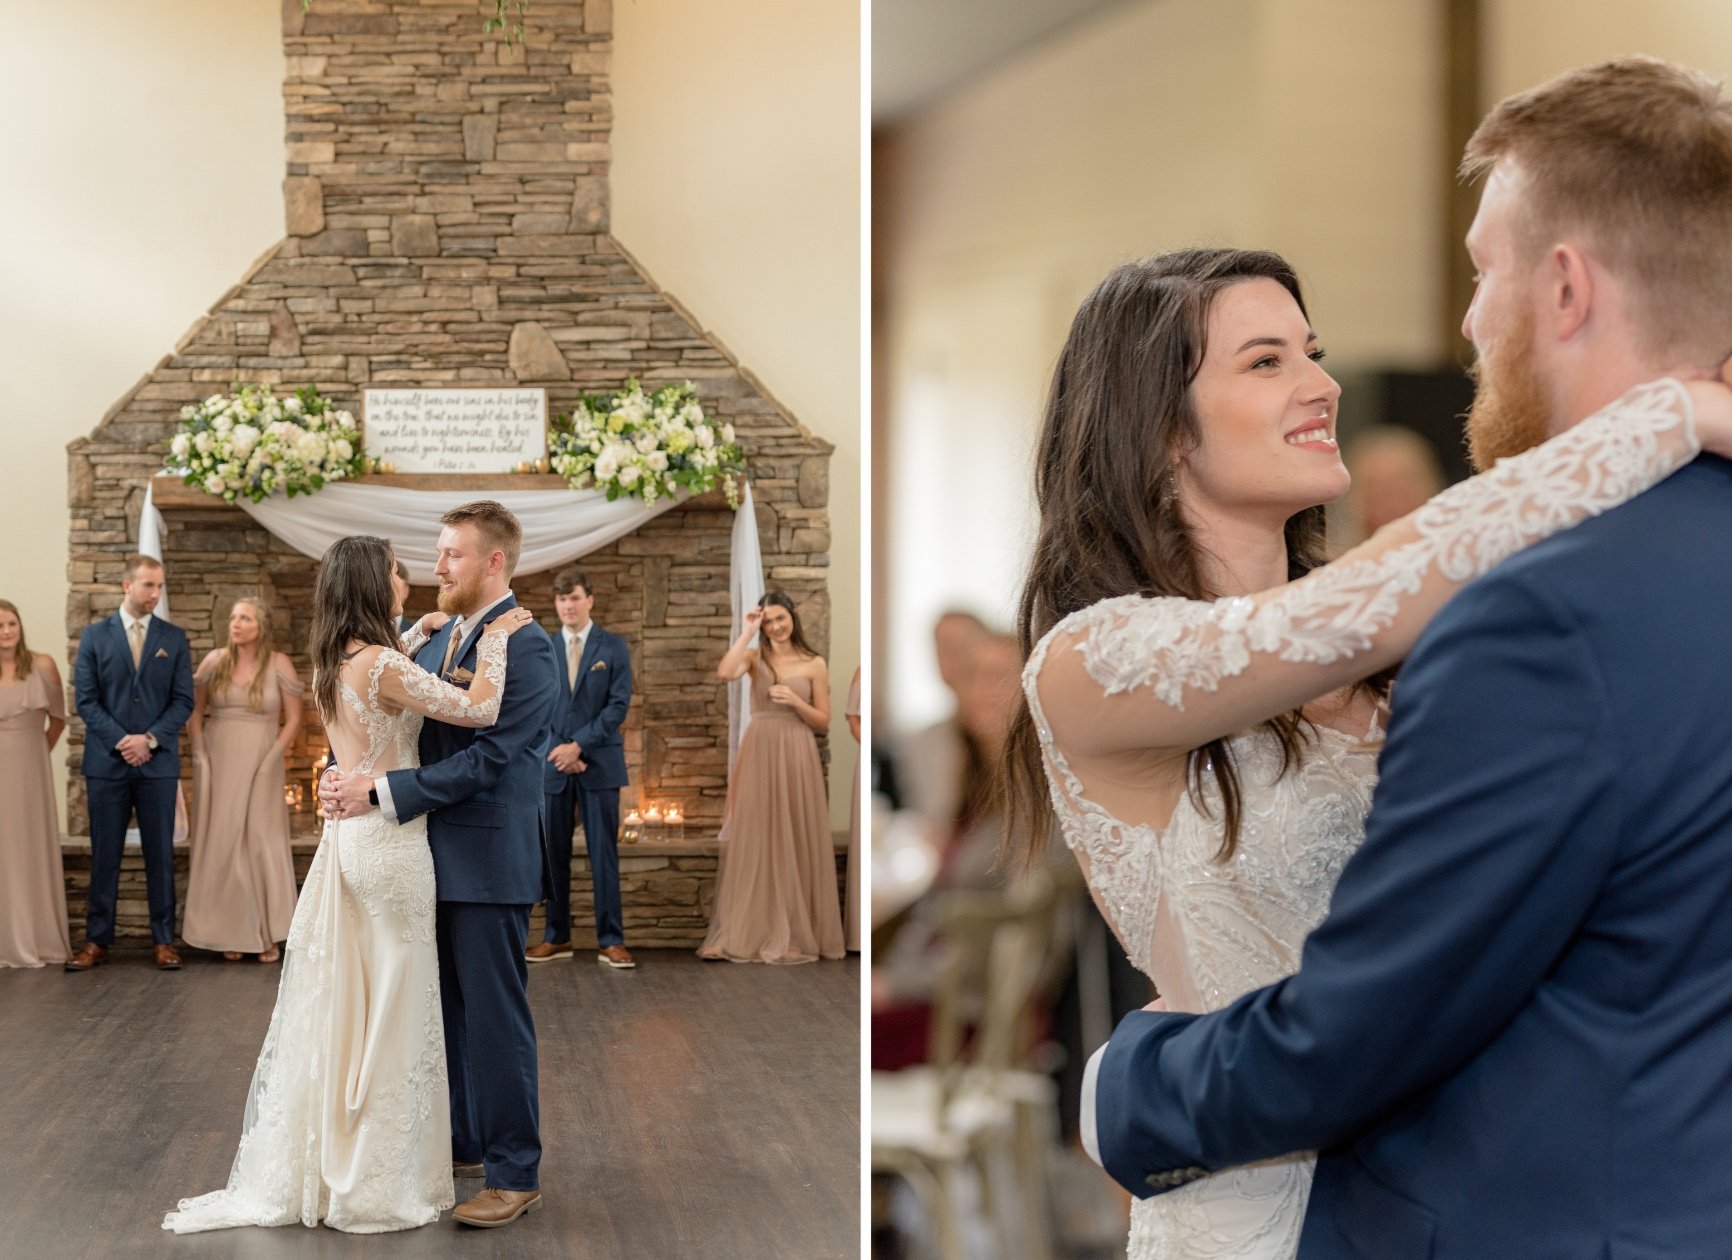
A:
x: 482, y: 787
x: 116, y: 700
x: 592, y: 715
x: 1512, y: 1036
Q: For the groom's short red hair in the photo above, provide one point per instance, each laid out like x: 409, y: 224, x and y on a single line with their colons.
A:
x: 499, y: 529
x: 1634, y: 156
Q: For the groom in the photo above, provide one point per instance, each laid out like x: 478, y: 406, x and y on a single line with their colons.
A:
x: 481, y: 790
x: 1512, y: 1036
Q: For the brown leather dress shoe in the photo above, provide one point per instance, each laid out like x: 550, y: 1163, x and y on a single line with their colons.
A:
x: 615, y: 956
x: 460, y: 1169
x: 89, y: 955
x: 547, y: 951
x: 165, y: 957
x: 494, y: 1207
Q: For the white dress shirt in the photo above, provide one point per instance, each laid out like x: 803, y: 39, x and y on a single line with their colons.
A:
x: 469, y: 625
x: 1090, y: 1138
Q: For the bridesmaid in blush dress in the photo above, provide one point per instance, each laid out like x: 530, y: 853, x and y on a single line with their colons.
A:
x: 240, y: 897
x: 776, y: 894
x: 32, y: 885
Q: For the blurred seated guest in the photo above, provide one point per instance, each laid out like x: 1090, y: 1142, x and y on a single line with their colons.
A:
x: 851, y: 909
x: 776, y: 896
x: 400, y: 596
x: 246, y: 712
x: 929, y: 763
x: 1393, y: 471
x: 32, y: 884
x: 904, y: 962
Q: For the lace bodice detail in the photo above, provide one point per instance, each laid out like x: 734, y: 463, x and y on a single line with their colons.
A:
x: 391, y: 736
x: 1207, y: 931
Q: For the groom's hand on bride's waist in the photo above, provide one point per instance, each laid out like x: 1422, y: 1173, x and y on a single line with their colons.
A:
x: 347, y: 796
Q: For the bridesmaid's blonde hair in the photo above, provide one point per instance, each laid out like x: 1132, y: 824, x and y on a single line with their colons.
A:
x: 225, y: 666
x: 23, y: 659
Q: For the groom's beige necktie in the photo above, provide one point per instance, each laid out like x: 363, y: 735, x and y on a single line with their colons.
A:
x: 135, y: 636
x: 451, y: 650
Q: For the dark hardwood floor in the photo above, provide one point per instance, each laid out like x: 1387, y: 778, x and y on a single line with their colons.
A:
x: 688, y: 1109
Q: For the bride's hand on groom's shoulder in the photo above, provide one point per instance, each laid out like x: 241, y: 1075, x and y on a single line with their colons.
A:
x: 510, y: 622
x: 432, y: 623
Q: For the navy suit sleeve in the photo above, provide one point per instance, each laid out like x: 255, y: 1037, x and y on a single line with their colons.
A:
x: 167, y: 726
x: 104, y: 731
x: 1493, y: 830
x: 608, y: 719
x: 525, y: 713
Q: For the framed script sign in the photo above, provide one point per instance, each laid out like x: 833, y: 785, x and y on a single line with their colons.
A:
x: 455, y: 429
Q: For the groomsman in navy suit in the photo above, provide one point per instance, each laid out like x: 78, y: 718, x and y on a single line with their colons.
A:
x: 585, y: 771
x: 134, y: 691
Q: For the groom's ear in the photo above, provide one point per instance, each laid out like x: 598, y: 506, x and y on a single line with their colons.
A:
x: 1570, y: 289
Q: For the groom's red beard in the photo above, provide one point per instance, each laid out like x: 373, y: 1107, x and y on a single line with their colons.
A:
x: 1510, y: 408
x: 463, y: 598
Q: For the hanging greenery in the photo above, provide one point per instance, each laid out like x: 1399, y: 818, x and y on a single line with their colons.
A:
x: 507, y: 18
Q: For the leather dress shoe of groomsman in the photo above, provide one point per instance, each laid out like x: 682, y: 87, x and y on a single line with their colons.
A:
x: 89, y: 955
x: 547, y: 951
x: 617, y: 956
x: 165, y: 958
x: 494, y: 1207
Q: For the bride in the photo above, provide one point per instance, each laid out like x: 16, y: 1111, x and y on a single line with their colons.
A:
x: 347, y: 1120
x: 1210, y: 752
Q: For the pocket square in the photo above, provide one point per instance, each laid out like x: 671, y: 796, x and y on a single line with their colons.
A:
x: 161, y: 655
x: 462, y: 676
x: 598, y: 665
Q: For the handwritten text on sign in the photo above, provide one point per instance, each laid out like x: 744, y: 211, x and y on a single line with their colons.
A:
x: 455, y: 430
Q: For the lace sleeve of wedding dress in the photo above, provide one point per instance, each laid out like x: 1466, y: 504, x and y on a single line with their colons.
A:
x: 1169, y: 673
x: 412, y: 640
x: 403, y: 682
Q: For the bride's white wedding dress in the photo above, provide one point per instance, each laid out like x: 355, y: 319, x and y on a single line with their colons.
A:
x: 348, y: 1119
x: 1207, y: 932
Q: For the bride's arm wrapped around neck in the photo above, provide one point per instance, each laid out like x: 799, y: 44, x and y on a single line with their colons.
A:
x: 1138, y: 673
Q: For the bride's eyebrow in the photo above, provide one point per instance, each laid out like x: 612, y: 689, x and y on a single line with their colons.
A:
x: 1279, y: 343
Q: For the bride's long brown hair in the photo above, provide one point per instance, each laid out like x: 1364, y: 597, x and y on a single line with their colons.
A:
x: 351, y: 603
x: 1118, y: 417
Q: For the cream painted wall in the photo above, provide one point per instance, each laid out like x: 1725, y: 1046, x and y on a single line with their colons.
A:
x: 1310, y: 129
x: 1529, y: 41
x: 736, y: 182
x: 146, y: 153
x: 146, y: 148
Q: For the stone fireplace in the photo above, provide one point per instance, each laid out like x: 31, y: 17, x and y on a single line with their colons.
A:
x: 447, y: 212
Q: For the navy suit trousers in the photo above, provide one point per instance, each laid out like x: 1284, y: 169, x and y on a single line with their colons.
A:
x: 112, y: 805
x: 599, y: 810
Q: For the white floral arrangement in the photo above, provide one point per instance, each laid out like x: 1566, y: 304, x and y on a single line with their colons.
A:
x: 646, y: 446
x: 255, y: 444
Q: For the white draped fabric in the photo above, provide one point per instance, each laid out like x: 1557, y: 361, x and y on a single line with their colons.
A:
x: 558, y: 526
x: 745, y: 589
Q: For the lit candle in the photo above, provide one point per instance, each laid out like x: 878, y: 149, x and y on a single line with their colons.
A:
x: 653, y: 817
x: 387, y: 467
x: 674, y: 815
x: 633, y: 818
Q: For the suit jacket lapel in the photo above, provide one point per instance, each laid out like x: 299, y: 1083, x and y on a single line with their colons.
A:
x: 433, y: 651
x: 152, y: 635
x: 125, y: 644
x: 591, y: 646
x: 466, y: 649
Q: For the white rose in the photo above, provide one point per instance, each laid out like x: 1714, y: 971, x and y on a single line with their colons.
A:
x: 657, y: 461
x: 628, y: 476
x: 645, y: 442
x: 342, y: 450
x: 245, y: 438
x: 216, y: 401
x: 224, y: 423
x: 214, y: 484
x: 201, y: 443
x: 292, y: 406
x: 706, y: 436
x: 180, y: 446
x: 606, y: 465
